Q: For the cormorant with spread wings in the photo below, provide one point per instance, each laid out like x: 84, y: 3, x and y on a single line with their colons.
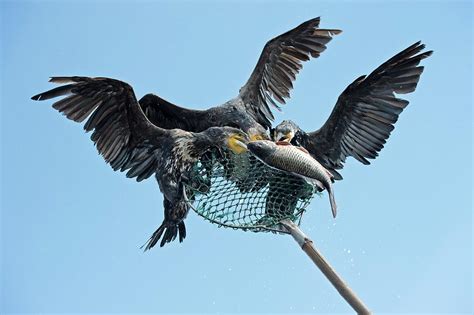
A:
x: 128, y: 141
x: 364, y: 115
x: 270, y: 82
x: 154, y: 136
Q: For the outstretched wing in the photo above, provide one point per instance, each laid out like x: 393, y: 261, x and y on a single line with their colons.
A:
x: 121, y: 132
x: 367, y: 110
x: 279, y: 63
x: 167, y: 115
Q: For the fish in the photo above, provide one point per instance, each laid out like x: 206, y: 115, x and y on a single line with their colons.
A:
x: 297, y: 161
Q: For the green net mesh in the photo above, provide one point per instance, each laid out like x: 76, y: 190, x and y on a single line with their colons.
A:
x: 239, y: 191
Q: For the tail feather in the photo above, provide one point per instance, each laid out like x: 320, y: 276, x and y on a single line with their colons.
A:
x: 154, y: 238
x: 167, y: 232
x: 182, y: 231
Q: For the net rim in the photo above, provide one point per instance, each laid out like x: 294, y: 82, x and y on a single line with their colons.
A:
x: 202, y: 210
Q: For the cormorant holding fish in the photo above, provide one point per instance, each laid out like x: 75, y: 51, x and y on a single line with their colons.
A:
x: 154, y: 136
x: 128, y: 141
x: 364, y: 115
x: 271, y: 80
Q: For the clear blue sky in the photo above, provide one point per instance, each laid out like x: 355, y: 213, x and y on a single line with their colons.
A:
x: 71, y: 227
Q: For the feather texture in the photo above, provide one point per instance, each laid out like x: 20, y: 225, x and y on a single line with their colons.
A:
x: 365, y: 113
x: 279, y: 63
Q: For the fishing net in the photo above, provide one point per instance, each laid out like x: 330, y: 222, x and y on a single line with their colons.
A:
x: 241, y: 192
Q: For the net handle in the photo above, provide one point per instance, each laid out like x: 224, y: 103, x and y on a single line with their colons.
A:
x: 318, y: 259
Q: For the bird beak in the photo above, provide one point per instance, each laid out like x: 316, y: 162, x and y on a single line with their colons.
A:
x: 241, y: 144
x: 285, y: 137
x: 257, y: 137
x: 237, y: 144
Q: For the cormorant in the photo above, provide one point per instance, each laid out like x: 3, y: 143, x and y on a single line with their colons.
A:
x: 117, y: 121
x: 271, y: 80
x: 128, y: 141
x: 364, y: 115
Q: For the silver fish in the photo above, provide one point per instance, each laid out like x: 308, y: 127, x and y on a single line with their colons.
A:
x: 296, y: 161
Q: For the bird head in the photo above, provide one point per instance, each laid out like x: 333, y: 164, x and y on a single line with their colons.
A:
x: 258, y: 133
x: 288, y: 131
x: 227, y: 137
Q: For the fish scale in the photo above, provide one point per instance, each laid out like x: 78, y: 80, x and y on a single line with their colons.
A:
x: 292, y: 159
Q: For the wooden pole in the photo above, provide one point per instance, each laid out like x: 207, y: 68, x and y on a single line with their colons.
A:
x: 323, y: 265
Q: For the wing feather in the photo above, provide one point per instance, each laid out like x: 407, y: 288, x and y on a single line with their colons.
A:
x: 167, y: 115
x: 365, y: 113
x: 123, y: 135
x: 278, y: 65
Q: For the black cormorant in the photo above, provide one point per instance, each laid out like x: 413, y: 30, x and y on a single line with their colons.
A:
x: 364, y: 115
x: 270, y: 82
x: 128, y: 141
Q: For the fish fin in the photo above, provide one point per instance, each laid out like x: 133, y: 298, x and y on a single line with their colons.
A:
x: 282, y: 143
x: 331, y: 175
x: 319, y: 185
x: 332, y: 201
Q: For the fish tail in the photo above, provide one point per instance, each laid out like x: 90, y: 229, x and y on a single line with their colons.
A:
x: 332, y: 201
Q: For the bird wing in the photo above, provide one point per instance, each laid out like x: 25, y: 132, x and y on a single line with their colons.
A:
x: 121, y: 132
x: 365, y: 113
x: 279, y: 63
x: 167, y: 115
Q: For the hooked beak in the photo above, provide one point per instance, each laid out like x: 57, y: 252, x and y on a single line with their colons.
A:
x: 285, y: 137
x: 257, y: 136
x: 241, y: 144
x: 238, y: 143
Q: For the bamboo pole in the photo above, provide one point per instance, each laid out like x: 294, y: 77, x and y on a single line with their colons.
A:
x: 323, y: 265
